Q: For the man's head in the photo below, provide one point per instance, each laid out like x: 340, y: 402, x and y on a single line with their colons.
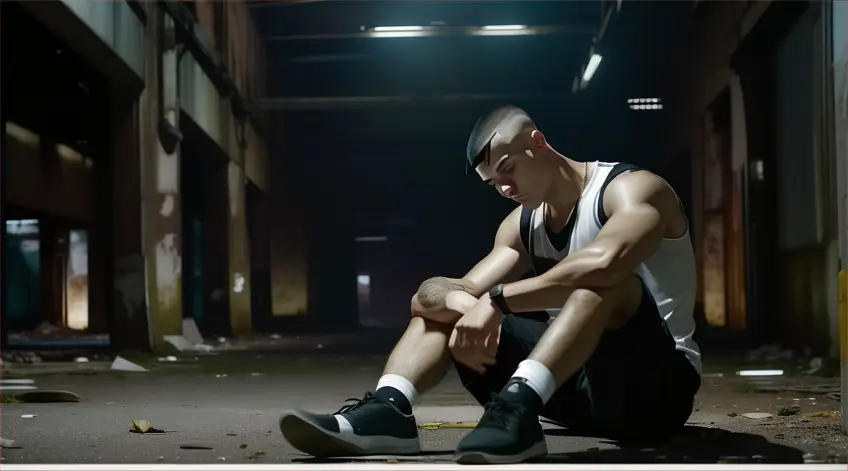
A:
x: 507, y: 151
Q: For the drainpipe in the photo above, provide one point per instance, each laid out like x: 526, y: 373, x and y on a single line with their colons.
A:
x: 168, y: 59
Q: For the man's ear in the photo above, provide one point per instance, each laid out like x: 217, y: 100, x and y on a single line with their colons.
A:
x: 539, y: 141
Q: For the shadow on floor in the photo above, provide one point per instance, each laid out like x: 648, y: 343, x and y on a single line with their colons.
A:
x: 694, y: 445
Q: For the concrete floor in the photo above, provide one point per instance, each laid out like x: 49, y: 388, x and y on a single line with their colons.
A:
x: 228, y: 407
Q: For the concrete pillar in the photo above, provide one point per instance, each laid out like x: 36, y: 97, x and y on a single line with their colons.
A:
x: 146, y: 223
x: 239, y: 254
x: 161, y: 197
x: 839, y: 31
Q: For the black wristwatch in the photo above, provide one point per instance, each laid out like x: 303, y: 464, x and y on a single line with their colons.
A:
x: 497, y: 297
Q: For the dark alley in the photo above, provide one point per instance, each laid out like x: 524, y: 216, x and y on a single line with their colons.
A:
x: 224, y: 218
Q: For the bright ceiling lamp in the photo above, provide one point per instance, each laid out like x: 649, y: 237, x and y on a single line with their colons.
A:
x: 592, y: 67
x: 397, y: 29
x: 503, y: 27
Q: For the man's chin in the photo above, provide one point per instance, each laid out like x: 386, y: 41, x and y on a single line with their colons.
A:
x: 530, y: 204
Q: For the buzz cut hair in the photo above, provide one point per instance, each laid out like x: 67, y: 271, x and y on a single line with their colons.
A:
x: 508, y: 121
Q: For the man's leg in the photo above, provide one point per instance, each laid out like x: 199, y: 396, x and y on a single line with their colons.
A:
x: 381, y: 423
x: 602, y: 319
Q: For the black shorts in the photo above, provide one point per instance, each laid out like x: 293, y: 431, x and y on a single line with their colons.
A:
x: 635, y: 386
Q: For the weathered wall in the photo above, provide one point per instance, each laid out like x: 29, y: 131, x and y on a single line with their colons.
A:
x: 795, y: 296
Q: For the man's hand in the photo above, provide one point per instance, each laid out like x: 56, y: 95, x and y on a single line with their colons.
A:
x: 474, y: 341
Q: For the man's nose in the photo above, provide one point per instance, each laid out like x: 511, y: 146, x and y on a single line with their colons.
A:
x: 507, y: 190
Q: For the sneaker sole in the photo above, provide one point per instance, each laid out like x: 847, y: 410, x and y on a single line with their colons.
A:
x: 314, y: 440
x: 538, y: 450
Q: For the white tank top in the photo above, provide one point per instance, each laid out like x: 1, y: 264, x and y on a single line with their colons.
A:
x: 669, y: 274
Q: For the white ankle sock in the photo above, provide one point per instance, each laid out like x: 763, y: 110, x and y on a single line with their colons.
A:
x: 538, y: 377
x: 401, y: 384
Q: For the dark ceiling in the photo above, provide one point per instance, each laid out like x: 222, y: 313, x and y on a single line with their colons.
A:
x: 318, y: 55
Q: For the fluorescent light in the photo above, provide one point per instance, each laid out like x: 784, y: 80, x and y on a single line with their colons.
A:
x: 594, y: 62
x: 503, y: 27
x: 760, y: 373
x: 390, y: 29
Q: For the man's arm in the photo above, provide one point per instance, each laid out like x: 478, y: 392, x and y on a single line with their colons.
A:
x: 507, y: 261
x: 639, y: 205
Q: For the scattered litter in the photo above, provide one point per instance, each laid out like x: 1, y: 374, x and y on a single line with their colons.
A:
x: 144, y: 427
x: 221, y: 376
x: 232, y: 435
x: 47, y: 397
x: 81, y: 360
x: 440, y: 425
x: 122, y: 364
x: 179, y: 342
x: 28, y: 416
x: 275, y: 336
x: 320, y: 346
x: 816, y: 365
x: 169, y: 358
x: 732, y: 414
x: 190, y: 331
x: 195, y: 446
x: 256, y: 374
x: 243, y: 446
x: 833, y: 414
x: 771, y: 353
x: 222, y: 458
x: 7, y: 443
x: 161, y: 458
x: 788, y: 410
x: 825, y: 388
x: 222, y: 340
x: 758, y: 415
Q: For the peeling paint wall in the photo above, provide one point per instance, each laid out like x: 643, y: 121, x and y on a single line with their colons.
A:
x: 802, y: 296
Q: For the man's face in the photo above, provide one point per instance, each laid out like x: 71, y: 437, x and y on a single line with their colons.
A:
x: 515, y: 170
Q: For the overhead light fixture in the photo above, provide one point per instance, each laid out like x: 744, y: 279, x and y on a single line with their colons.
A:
x: 592, y: 67
x: 504, y: 27
x: 644, y: 100
x: 645, y: 104
x: 397, y: 29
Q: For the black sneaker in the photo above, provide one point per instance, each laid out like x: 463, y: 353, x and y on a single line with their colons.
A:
x: 507, y: 433
x: 375, y: 428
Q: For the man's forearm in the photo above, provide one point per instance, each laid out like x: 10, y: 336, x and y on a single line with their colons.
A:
x: 536, y: 294
x: 581, y: 269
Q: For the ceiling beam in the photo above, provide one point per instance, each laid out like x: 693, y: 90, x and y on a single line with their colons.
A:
x: 362, y: 102
x: 567, y: 29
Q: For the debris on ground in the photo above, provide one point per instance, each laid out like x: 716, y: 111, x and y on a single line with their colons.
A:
x: 182, y: 344
x: 28, y: 416
x: 440, y: 425
x: 822, y: 388
x: 81, y: 360
x: 122, y: 364
x: 7, y: 443
x: 46, y: 397
x: 757, y: 415
x: 144, y: 427
x: 788, y: 410
x: 195, y: 446
x: 169, y: 358
x: 830, y: 414
x: 770, y: 352
x: 816, y: 365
